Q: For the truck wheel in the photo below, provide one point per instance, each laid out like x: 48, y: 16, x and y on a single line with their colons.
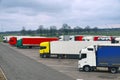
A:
x: 41, y: 55
x: 113, y: 70
x: 47, y: 56
x: 86, y: 68
x: 30, y: 47
x: 92, y: 69
x: 59, y: 56
x: 44, y: 56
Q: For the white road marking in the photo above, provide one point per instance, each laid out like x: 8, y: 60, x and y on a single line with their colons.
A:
x: 3, y: 74
x: 61, y: 66
x: 79, y: 79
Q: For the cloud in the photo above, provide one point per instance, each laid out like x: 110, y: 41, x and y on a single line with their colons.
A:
x: 29, y: 13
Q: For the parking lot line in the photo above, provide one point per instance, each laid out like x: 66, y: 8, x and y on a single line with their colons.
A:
x: 79, y: 79
x: 61, y: 66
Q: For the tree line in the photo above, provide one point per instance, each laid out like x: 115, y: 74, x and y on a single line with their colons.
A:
x: 67, y: 30
x: 53, y: 31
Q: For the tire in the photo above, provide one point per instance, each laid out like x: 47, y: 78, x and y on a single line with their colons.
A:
x: 41, y: 55
x: 59, y: 56
x: 47, y: 56
x: 30, y: 47
x: 44, y: 56
x: 92, y: 69
x: 87, y: 68
x: 113, y: 70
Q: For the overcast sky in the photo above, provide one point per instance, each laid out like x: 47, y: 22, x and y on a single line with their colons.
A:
x: 14, y: 14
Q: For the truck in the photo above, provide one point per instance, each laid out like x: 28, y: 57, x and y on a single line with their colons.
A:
x: 33, y: 41
x: 66, y: 38
x: 85, y: 38
x: 13, y: 40
x: 6, y: 38
x: 102, y: 38
x: 79, y: 38
x: 70, y: 38
x: 100, y: 56
x: 76, y: 38
x: 97, y: 38
x: 65, y: 49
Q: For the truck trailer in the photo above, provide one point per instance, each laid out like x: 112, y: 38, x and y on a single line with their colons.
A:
x: 102, y: 55
x: 33, y: 41
x: 65, y: 49
x: 102, y: 38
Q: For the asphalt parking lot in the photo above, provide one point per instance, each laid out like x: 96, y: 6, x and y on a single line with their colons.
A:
x: 66, y: 66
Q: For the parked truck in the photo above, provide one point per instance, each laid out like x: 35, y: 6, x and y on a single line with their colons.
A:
x: 6, y: 38
x: 79, y: 38
x: 13, y: 40
x: 102, y: 38
x: 65, y: 49
x: 66, y: 37
x: 102, y: 55
x: 33, y: 41
x: 84, y: 38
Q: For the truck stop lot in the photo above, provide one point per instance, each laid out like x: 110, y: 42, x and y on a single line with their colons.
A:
x: 66, y: 66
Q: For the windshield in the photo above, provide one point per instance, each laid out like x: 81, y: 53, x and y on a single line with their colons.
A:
x: 42, y: 47
x: 82, y: 56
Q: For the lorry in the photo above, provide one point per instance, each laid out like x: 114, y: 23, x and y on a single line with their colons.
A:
x: 79, y: 38
x: 84, y: 38
x: 66, y: 38
x: 6, y: 38
x: 65, y: 49
x: 13, y: 40
x: 97, y: 38
x: 71, y: 38
x: 76, y: 38
x: 102, y: 38
x: 33, y: 41
x: 100, y: 56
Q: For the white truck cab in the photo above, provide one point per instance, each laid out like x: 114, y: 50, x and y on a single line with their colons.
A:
x: 102, y: 55
x: 87, y: 58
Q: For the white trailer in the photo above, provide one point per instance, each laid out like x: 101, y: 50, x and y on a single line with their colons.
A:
x: 65, y: 48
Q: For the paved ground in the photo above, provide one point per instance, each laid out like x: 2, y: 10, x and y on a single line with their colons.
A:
x: 66, y: 66
x: 19, y: 67
x: 2, y: 76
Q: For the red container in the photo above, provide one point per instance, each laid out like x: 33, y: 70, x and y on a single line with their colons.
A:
x: 78, y: 38
x: 103, y: 38
x: 36, y: 41
x: 95, y: 38
x: 111, y: 38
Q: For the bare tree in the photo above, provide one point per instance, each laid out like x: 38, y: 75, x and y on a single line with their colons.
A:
x: 87, y: 28
x: 53, y: 30
x: 77, y: 29
x: 23, y: 31
x: 65, y: 29
x: 40, y: 30
x: 95, y: 29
